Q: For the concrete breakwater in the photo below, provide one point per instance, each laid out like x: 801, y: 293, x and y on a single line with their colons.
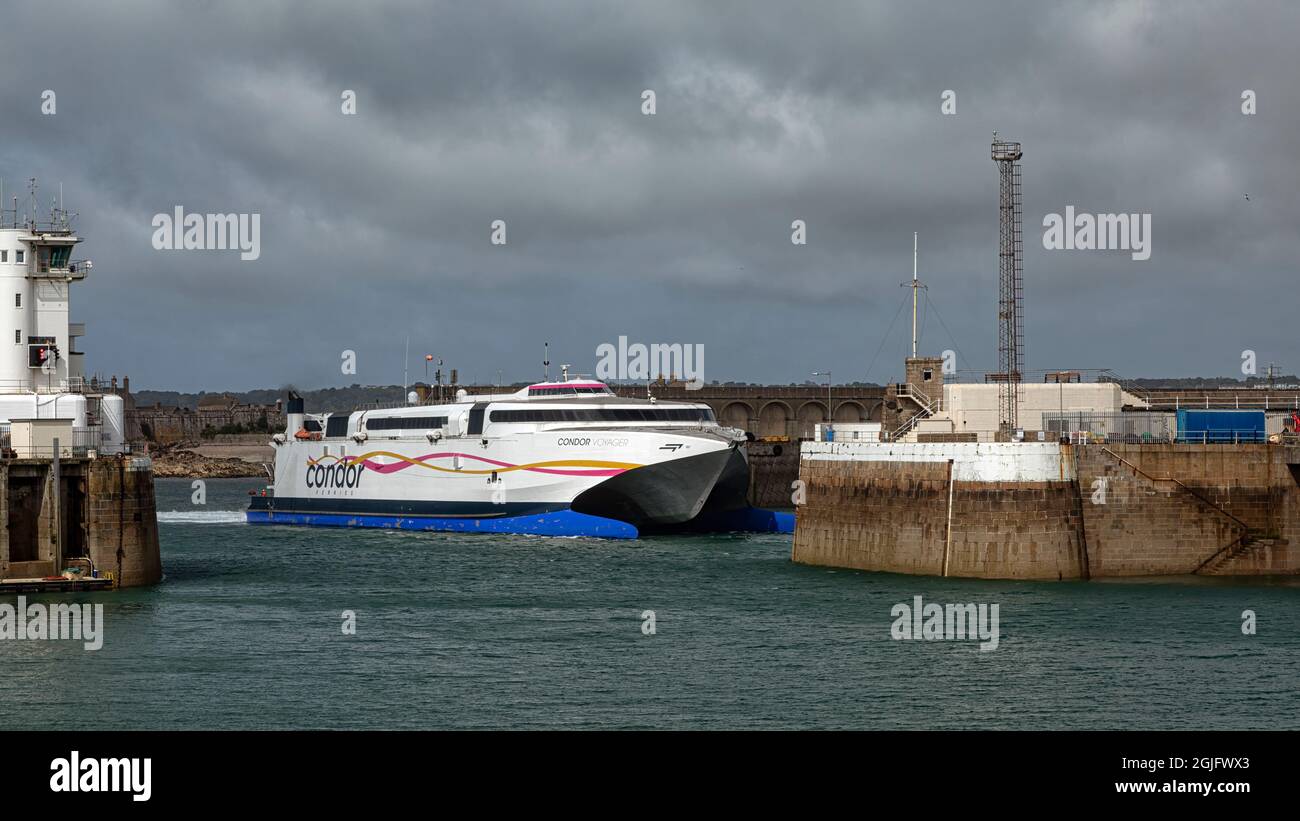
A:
x: 99, y: 513
x: 1050, y: 511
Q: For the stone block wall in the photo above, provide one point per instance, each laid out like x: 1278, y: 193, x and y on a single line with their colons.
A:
x: 1136, y: 510
x: 122, y: 521
x: 115, y: 511
x: 773, y: 467
x: 893, y: 517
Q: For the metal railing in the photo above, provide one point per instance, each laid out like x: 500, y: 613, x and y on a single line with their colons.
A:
x: 910, y: 391
x: 37, y: 384
x: 1133, y: 428
x: 1237, y: 402
x: 928, y: 408
x: 84, y: 440
x: 1221, y: 437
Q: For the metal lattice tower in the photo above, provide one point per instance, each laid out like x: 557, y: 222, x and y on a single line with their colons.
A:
x: 1011, y: 316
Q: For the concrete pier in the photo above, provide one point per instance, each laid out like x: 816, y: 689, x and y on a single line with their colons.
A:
x: 1048, y: 511
x: 99, y: 513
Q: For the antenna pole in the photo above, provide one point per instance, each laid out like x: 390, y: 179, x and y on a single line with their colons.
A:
x: 915, y: 285
x: 546, y: 362
x: 914, y: 295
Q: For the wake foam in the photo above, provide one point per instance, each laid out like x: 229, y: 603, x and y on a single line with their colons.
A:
x: 202, y: 517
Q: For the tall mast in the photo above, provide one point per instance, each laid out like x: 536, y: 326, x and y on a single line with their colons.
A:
x: 1011, y: 315
x: 914, y: 284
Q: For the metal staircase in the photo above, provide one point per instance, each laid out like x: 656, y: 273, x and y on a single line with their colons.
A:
x: 926, y: 407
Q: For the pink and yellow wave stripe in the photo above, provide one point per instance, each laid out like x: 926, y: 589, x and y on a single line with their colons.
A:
x: 559, y: 467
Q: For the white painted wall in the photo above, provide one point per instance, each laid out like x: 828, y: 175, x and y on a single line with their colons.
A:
x: 973, y: 407
x: 34, y: 438
x: 43, y: 312
x: 70, y: 406
x: 972, y: 461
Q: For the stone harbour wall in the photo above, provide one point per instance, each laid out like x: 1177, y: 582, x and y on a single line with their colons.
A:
x: 1048, y: 511
x: 105, y: 513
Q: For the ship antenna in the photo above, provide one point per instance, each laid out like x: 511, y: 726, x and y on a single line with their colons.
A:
x: 546, y: 362
x: 405, y: 361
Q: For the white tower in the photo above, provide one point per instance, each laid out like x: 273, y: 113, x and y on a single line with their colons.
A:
x: 36, y: 274
x: 41, y: 376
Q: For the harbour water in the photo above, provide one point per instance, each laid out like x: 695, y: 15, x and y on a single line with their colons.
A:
x: 481, y: 631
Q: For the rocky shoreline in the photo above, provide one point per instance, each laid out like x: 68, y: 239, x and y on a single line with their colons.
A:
x: 179, y: 462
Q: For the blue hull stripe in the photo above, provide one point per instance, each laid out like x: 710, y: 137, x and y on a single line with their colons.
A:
x: 744, y: 520
x: 554, y: 523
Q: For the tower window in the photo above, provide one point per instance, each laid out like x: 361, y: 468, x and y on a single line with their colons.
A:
x: 927, y: 375
x: 18, y: 256
x: 18, y: 300
x: 4, y: 256
x: 18, y: 336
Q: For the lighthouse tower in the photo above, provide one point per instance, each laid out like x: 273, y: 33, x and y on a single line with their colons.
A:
x: 41, y: 375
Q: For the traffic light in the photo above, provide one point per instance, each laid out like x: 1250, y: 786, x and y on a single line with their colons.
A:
x: 41, y: 353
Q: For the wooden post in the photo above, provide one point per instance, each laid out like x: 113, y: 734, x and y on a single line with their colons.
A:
x: 947, y: 546
x: 58, y: 512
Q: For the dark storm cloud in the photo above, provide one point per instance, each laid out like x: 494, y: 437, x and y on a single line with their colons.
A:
x: 671, y: 228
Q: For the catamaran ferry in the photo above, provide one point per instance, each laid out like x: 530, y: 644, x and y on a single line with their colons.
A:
x: 567, y: 458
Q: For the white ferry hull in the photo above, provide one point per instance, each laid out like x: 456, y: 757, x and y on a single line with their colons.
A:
x: 565, y: 459
x: 615, y: 483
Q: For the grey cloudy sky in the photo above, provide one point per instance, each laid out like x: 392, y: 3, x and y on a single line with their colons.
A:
x: 666, y: 228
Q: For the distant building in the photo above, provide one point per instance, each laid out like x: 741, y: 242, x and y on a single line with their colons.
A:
x: 216, y: 414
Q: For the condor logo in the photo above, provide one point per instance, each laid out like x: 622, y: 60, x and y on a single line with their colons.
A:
x: 337, y: 475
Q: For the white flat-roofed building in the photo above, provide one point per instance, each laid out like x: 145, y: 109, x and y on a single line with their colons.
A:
x: 972, y: 408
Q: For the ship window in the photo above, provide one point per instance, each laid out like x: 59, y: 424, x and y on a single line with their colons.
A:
x: 570, y: 390
x: 406, y: 423
x: 475, y: 426
x: 311, y: 425
x: 604, y: 415
x: 337, y: 425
